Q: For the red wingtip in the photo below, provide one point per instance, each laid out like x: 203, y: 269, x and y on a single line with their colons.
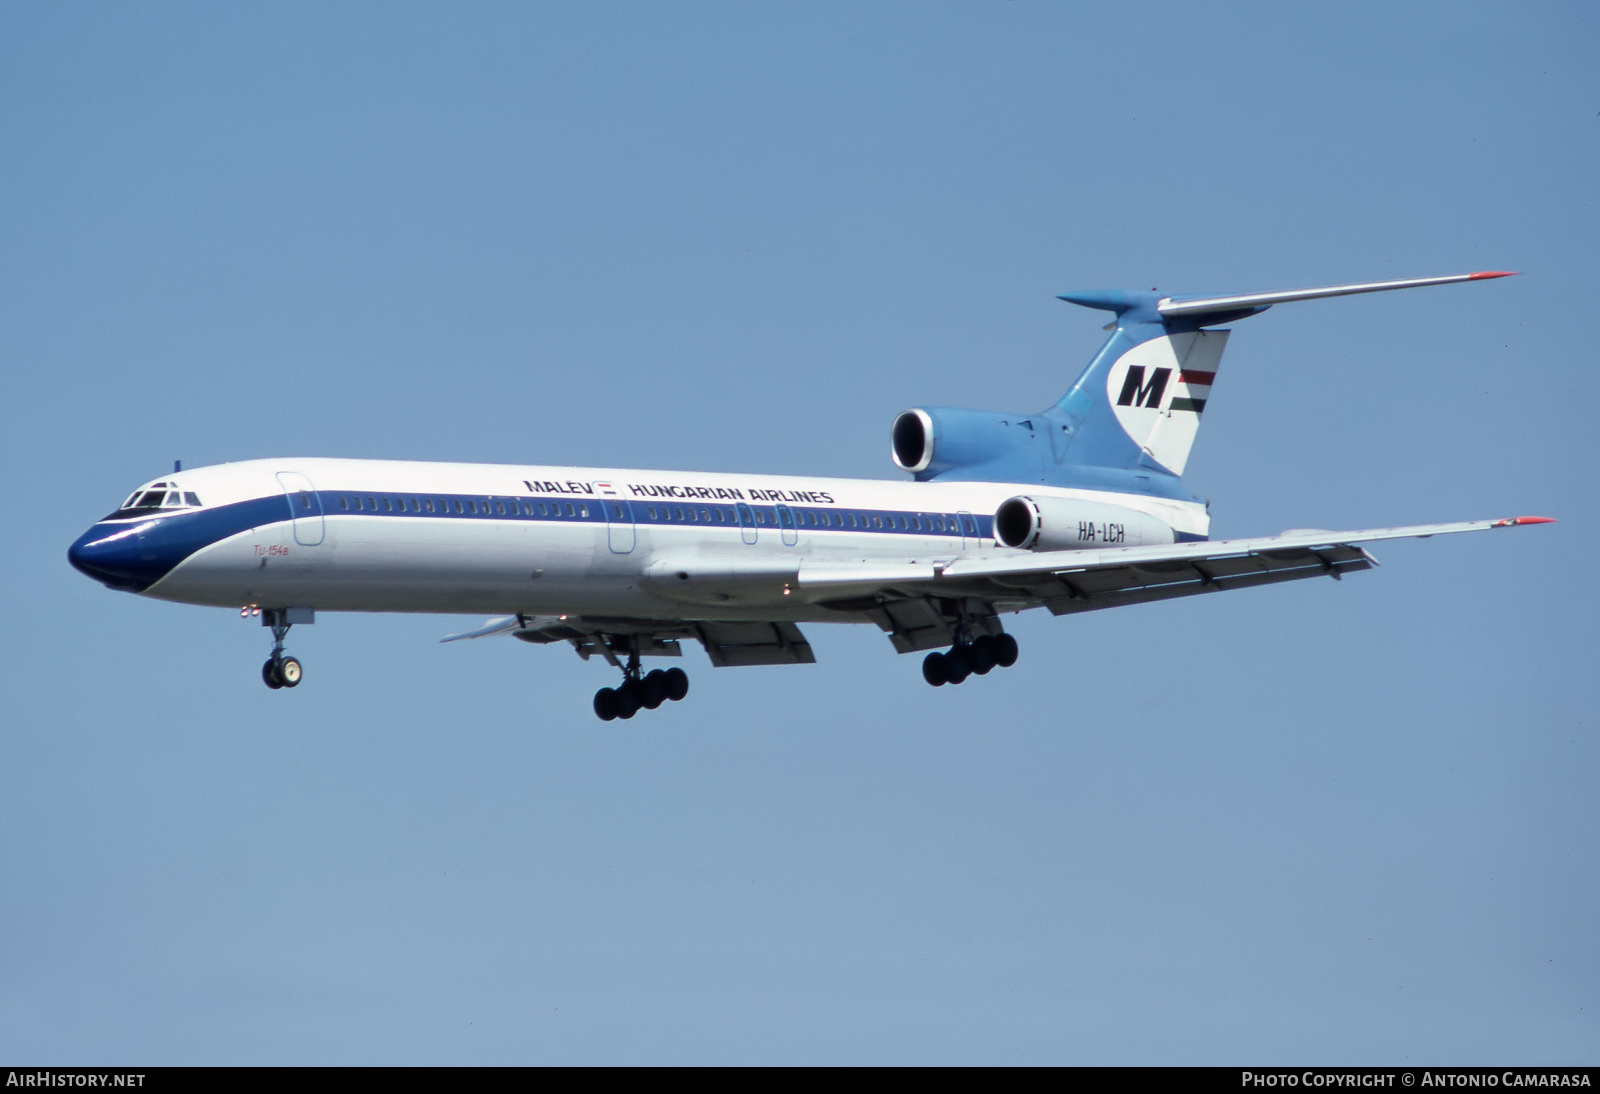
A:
x: 1484, y: 275
x: 1510, y: 521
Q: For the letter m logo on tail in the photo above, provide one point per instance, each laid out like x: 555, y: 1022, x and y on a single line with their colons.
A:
x: 1159, y: 388
x: 1136, y: 392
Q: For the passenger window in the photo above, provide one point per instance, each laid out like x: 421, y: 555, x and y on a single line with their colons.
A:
x: 344, y: 502
x: 679, y: 513
x: 570, y: 512
x: 583, y: 510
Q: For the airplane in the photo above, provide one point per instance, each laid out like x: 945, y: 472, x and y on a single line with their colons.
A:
x: 1076, y: 508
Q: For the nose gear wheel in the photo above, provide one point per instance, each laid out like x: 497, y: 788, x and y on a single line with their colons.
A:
x: 280, y: 671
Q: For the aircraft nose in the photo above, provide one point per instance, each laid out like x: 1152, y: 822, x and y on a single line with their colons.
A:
x: 111, y: 554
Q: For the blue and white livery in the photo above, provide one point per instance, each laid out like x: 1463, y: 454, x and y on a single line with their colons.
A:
x: 1076, y: 508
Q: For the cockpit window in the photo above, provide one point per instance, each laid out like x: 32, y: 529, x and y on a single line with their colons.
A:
x: 157, y: 496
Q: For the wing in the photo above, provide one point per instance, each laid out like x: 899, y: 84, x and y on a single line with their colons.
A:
x: 925, y: 604
x: 913, y: 600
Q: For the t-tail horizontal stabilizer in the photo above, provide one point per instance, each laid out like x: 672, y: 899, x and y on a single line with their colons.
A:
x: 1173, y: 306
x: 1131, y: 417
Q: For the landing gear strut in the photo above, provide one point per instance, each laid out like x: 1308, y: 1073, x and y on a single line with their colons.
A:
x: 648, y: 691
x: 965, y: 658
x: 279, y: 671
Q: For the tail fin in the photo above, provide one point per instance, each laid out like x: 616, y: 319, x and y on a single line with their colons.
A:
x: 1132, y: 415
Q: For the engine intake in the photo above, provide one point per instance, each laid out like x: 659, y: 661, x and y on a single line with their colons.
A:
x: 929, y: 441
x: 912, y: 437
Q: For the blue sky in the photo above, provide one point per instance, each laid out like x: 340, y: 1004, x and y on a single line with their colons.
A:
x: 1324, y: 822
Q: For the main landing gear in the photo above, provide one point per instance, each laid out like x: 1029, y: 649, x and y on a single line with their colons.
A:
x: 967, y: 658
x: 279, y: 671
x: 648, y: 691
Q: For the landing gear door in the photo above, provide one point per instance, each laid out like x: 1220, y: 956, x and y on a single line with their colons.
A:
x: 305, y: 507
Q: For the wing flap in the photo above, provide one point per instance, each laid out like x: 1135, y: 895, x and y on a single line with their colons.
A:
x: 1117, y: 586
x: 731, y: 645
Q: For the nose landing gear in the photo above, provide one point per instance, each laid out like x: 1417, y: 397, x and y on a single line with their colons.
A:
x: 281, y: 671
x: 647, y: 691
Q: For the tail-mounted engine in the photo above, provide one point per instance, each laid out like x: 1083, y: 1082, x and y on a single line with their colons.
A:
x: 1064, y: 524
x: 983, y: 444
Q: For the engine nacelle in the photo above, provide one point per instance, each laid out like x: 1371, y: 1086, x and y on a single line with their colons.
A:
x: 928, y: 441
x: 1065, y: 524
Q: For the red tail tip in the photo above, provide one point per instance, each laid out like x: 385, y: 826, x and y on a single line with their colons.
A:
x: 1484, y: 275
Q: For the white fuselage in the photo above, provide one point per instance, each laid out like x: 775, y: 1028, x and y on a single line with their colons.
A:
x: 390, y: 536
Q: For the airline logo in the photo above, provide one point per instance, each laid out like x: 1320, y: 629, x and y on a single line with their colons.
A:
x: 1159, y: 388
x: 1138, y: 391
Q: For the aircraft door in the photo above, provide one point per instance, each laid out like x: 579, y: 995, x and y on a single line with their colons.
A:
x: 969, y: 531
x: 621, y: 534
x: 305, y: 507
x: 747, y: 523
x: 786, y: 526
